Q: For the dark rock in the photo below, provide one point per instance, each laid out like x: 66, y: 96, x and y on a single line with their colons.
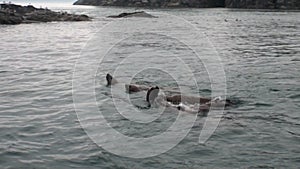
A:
x: 16, y: 14
x: 154, y: 3
x: 8, y: 18
x: 255, y: 4
x: 263, y: 4
x: 133, y: 14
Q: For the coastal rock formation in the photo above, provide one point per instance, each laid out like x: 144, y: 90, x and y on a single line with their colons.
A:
x: 133, y: 14
x: 263, y: 4
x: 17, y: 14
x: 10, y: 18
x: 154, y: 3
x: 254, y: 4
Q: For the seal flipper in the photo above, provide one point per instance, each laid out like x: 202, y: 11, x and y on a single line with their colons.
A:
x: 152, y: 95
x: 110, y: 80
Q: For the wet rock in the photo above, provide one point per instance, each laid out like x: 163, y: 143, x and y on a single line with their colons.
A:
x: 16, y: 14
x: 256, y: 4
x: 10, y: 18
x: 133, y: 14
x: 263, y: 4
x: 154, y: 3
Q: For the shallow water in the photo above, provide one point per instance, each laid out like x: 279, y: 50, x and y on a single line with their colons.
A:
x: 259, y: 51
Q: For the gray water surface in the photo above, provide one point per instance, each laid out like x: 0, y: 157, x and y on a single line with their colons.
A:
x: 260, y: 52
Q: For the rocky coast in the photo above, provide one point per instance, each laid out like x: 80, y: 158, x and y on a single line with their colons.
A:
x: 246, y: 4
x: 17, y: 14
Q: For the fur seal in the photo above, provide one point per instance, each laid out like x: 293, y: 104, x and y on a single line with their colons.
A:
x: 176, y: 99
x: 179, y: 101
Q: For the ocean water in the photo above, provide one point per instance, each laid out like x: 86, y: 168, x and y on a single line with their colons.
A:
x: 260, y: 52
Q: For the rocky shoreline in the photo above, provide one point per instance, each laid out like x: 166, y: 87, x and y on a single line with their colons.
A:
x: 246, y: 4
x: 12, y: 14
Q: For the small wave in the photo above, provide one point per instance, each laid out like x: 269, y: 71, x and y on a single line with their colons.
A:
x: 261, y: 104
x: 205, y: 90
x: 261, y: 166
x: 274, y: 90
x: 293, y: 133
x: 4, y: 71
x: 295, y: 96
x: 296, y: 60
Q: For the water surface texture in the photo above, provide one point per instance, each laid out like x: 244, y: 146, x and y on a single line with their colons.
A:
x: 260, y: 52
